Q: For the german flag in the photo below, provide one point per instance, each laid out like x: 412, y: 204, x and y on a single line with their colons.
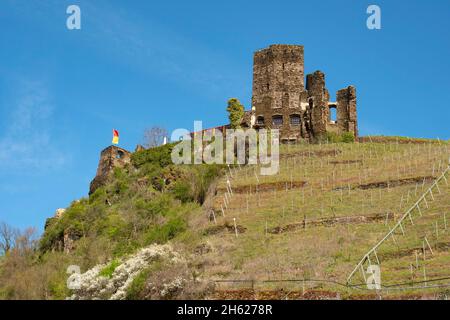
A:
x: 115, y: 139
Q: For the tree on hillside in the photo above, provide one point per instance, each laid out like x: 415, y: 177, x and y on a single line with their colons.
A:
x: 235, y: 112
x: 154, y: 136
x: 26, y: 241
x: 7, y: 238
x: 20, y: 277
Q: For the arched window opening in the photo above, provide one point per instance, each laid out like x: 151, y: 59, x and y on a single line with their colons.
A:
x: 294, y: 119
x: 277, y: 120
x: 260, y: 120
x: 119, y: 154
x: 333, y: 114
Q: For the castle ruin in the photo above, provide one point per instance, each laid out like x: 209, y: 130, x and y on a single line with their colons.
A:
x: 281, y: 100
x: 110, y: 158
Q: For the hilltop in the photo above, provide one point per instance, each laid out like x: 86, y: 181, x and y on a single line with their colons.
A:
x: 157, y: 230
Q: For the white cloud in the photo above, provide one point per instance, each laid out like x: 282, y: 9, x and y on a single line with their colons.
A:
x: 26, y: 141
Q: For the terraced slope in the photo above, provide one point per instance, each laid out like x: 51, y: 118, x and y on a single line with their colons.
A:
x: 325, y: 209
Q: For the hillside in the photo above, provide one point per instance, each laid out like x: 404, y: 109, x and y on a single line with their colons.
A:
x: 328, y: 206
x: 157, y: 230
x: 147, y: 202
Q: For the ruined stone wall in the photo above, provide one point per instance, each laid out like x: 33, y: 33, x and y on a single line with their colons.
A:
x: 318, y: 107
x: 280, y: 99
x: 346, y: 110
x: 110, y: 158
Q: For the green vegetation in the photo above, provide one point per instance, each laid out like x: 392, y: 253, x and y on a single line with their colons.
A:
x: 109, y: 269
x: 346, y: 137
x: 316, y: 218
x: 401, y: 139
x: 139, y: 207
x: 327, y: 206
x: 148, y: 202
x: 235, y: 112
x: 138, y: 284
x: 166, y: 232
x: 158, y: 157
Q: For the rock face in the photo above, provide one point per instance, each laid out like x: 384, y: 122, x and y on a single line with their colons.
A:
x: 67, y: 241
x: 92, y: 285
x: 110, y: 158
x: 58, y: 214
x: 139, y: 148
x: 280, y: 99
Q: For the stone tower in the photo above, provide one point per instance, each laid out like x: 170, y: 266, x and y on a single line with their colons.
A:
x: 110, y: 158
x: 279, y: 93
x: 280, y: 99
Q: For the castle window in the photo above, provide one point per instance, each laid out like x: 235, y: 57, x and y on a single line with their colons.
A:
x: 260, y: 121
x: 294, y: 119
x: 333, y: 114
x: 268, y: 87
x: 277, y: 120
x: 119, y: 154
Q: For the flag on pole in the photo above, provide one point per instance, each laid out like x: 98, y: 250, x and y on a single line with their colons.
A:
x: 115, y: 139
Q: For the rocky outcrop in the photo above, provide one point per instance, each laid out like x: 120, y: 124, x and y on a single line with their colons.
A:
x: 58, y: 214
x: 65, y: 242
x: 69, y: 239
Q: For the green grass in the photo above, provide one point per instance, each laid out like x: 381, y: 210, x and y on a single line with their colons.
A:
x: 140, y: 204
x: 166, y: 232
x: 137, y: 286
x: 108, y: 271
x: 156, y: 202
x: 329, y: 252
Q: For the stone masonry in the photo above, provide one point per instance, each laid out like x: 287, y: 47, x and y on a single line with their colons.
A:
x: 110, y: 158
x: 280, y: 99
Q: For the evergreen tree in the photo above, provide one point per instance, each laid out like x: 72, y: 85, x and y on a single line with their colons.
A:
x: 235, y: 112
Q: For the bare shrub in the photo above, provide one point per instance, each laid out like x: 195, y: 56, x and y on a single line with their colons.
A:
x: 154, y: 136
x: 7, y: 237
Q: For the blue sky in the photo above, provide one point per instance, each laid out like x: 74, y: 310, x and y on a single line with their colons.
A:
x: 136, y: 63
